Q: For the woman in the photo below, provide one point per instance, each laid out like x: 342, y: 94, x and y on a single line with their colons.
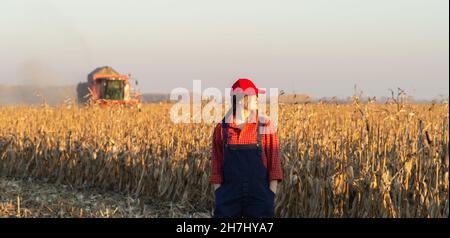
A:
x: 245, y: 158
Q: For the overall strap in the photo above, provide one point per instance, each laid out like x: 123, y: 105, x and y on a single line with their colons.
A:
x: 258, y: 137
x: 225, y: 133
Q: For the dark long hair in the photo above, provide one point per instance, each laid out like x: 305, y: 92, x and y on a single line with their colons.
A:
x: 234, y: 106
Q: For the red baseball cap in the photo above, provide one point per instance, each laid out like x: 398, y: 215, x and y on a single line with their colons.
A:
x: 245, y: 86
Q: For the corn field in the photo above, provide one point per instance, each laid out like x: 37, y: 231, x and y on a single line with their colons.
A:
x: 339, y: 160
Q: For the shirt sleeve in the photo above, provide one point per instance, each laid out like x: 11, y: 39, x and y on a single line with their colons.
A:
x: 273, y: 153
x: 216, y: 176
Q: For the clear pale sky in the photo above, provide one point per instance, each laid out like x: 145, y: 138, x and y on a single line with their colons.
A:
x: 317, y: 47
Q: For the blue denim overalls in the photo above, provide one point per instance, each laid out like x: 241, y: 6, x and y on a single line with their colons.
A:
x: 245, y: 191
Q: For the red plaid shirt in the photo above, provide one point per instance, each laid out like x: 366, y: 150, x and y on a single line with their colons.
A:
x: 270, y: 155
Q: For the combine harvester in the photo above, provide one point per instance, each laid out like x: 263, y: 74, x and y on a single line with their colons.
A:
x: 106, y: 87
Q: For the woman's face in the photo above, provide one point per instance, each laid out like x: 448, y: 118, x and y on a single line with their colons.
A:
x: 249, y: 102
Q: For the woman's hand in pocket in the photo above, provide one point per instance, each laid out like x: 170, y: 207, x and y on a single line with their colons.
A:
x: 216, y: 186
x: 273, y: 186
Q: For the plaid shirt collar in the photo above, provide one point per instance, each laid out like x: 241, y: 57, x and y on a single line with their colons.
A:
x: 252, y: 117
